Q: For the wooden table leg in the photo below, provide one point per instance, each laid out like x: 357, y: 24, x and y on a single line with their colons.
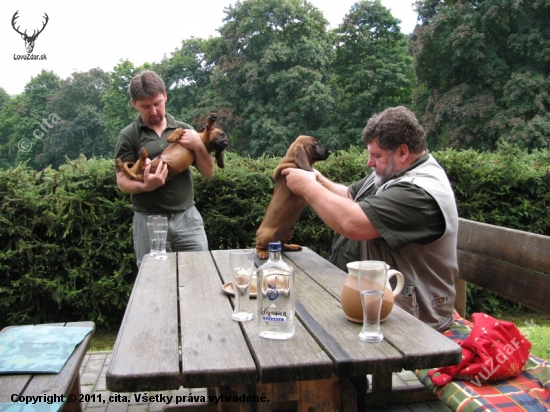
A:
x: 361, y: 385
x: 381, y: 382
x: 323, y: 395
x: 75, y: 390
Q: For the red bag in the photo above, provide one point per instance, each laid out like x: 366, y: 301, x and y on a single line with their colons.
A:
x: 494, y: 350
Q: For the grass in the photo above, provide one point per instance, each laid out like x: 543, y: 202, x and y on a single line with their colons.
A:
x: 103, y: 341
x: 535, y: 326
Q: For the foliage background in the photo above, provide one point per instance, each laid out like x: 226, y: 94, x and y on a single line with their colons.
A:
x: 476, y: 73
x: 65, y: 235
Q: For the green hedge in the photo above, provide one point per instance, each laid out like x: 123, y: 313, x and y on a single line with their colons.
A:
x: 65, y: 235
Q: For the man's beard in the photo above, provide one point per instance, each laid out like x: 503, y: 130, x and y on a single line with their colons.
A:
x: 380, y: 179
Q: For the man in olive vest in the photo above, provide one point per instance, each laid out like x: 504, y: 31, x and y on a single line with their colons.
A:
x: 404, y: 213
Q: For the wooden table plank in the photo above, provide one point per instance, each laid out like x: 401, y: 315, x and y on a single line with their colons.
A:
x: 146, y: 354
x: 424, y: 348
x: 214, y: 350
x: 299, y: 358
x: 323, y: 316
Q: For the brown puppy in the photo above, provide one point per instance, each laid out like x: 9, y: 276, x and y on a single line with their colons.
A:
x: 285, y: 207
x: 177, y: 157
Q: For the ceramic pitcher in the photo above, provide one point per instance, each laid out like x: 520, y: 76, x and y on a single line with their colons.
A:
x: 351, y: 297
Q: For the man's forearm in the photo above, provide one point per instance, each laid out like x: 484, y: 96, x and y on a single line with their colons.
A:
x: 150, y: 181
x: 339, y: 212
x: 132, y: 187
x: 204, y: 162
x: 336, y: 188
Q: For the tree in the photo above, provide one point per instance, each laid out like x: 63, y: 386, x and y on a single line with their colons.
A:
x: 372, y: 66
x: 273, y: 69
x: 483, y: 69
x: 4, y: 98
x: 75, y: 124
x: 22, y: 120
x: 118, y: 111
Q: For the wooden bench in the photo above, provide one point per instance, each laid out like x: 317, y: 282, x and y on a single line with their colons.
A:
x: 66, y: 382
x: 511, y: 263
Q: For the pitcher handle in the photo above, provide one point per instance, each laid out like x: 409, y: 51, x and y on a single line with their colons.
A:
x: 400, y: 281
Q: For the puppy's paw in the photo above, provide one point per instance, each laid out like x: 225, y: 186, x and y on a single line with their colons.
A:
x: 288, y: 247
x: 262, y: 254
x: 212, y: 118
x: 176, y: 134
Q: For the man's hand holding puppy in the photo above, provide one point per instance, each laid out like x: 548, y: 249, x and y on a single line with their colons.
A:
x: 151, y: 181
x: 204, y: 161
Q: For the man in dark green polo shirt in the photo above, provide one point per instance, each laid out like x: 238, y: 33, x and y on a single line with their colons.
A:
x: 404, y: 213
x: 155, y: 195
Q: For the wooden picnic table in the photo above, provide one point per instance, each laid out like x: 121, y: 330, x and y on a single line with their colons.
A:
x: 177, y: 331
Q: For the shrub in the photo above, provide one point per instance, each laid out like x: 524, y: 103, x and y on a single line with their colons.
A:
x: 66, y: 249
x: 65, y: 245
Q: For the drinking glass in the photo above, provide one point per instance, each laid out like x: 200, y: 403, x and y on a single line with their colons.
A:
x: 372, y: 278
x: 160, y: 228
x: 242, y: 265
x: 153, y: 251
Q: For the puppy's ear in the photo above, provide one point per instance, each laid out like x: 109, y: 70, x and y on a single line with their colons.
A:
x: 302, y: 157
x: 219, y: 158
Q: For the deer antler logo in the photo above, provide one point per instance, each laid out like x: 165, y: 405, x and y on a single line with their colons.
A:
x: 29, y: 40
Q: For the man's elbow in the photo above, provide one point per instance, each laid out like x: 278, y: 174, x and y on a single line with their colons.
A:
x: 359, y: 231
x: 122, y: 183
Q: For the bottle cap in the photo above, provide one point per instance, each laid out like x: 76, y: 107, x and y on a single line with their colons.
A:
x: 275, y: 246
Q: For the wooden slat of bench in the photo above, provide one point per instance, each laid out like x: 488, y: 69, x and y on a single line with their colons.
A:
x: 296, y: 359
x: 211, y: 340
x: 512, y: 282
x: 516, y: 247
x: 412, y: 348
x: 12, y: 385
x: 511, y: 263
x: 156, y: 365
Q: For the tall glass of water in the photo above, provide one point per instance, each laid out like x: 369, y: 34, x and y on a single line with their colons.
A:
x: 241, y: 263
x: 160, y: 228
x: 153, y: 251
x: 372, y: 278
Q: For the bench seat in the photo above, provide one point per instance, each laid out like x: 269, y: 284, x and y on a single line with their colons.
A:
x: 516, y: 265
x: 62, y: 388
x: 530, y: 390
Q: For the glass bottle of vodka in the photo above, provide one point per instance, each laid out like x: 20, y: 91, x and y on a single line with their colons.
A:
x: 276, y: 305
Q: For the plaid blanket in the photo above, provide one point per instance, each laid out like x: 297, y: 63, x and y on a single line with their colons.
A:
x: 530, y: 391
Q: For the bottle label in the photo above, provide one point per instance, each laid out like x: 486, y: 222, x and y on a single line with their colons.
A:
x: 279, y: 319
x: 270, y: 315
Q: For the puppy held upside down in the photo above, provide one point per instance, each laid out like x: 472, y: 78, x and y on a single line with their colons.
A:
x: 177, y: 157
x: 285, y: 207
